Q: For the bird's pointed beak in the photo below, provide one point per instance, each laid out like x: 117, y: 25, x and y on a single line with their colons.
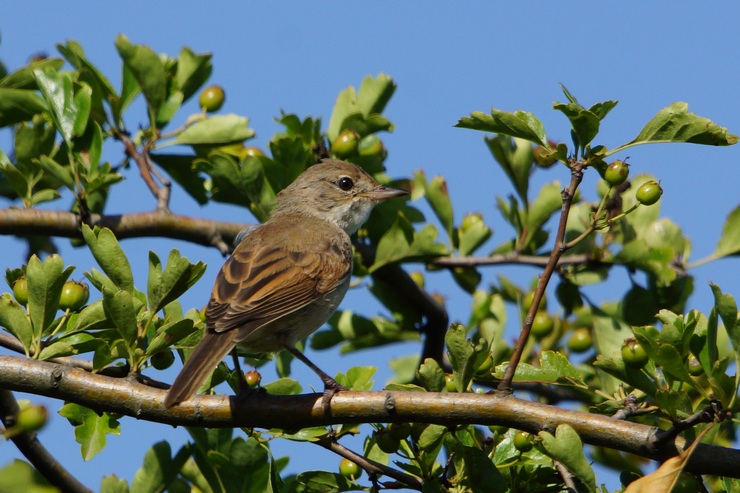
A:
x: 383, y: 193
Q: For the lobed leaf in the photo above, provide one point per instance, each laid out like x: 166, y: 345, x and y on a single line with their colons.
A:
x: 518, y: 124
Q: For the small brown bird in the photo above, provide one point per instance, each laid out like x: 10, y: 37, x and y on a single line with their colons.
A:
x: 287, y: 276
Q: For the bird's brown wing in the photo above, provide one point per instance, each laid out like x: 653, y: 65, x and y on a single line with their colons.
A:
x: 262, y: 282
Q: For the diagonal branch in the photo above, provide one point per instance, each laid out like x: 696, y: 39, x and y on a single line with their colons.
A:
x: 35, y: 452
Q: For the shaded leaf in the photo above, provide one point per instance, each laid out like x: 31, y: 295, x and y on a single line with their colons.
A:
x: 147, y: 69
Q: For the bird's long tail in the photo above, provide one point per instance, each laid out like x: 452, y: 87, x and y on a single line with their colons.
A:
x: 207, y: 354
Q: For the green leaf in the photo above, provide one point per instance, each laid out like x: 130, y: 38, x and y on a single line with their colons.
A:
x: 18, y: 105
x: 729, y: 242
x: 16, y: 179
x: 218, y: 129
x: 147, y: 69
x: 480, y: 472
x: 518, y: 124
x: 674, y: 123
x: 159, y: 469
x: 464, y: 355
x: 374, y: 94
x: 181, y: 169
x: 548, y: 202
x: 193, y: 71
x: 83, y: 105
x: 23, y: 78
x: 585, y: 124
x: 120, y: 309
x: 14, y: 319
x: 439, y: 199
x: 283, y: 386
x: 554, y: 368
x: 727, y: 309
x: 91, y: 428
x: 431, y: 376
x: 358, y: 378
x: 113, y: 484
x: 46, y: 195
x: 58, y: 91
x: 170, y: 334
x: 472, y: 233
x: 566, y: 447
x: 45, y: 282
x: 401, y: 242
x: 61, y: 173
x: 110, y: 256
x: 178, y: 276
x: 21, y: 476
x: 323, y: 482
x: 74, y: 53
x: 515, y: 156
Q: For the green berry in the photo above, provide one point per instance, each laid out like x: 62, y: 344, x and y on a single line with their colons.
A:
x: 616, y: 173
x: 162, y: 360
x: 649, y: 193
x: 252, y: 152
x: 450, y: 385
x: 212, y: 98
x: 20, y: 290
x: 542, y: 325
x: 345, y: 144
x: 580, y: 340
x: 74, y: 295
x: 543, y: 157
x: 695, y: 368
x: 387, y: 442
x: 400, y: 431
x: 349, y: 469
x: 523, y: 441
x: 370, y: 145
x: 253, y: 378
x: 633, y: 354
x: 32, y: 418
x: 529, y: 298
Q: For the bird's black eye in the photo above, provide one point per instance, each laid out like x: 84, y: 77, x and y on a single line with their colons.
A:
x: 345, y: 183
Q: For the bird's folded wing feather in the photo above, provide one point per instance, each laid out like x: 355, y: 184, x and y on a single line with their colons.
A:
x: 262, y: 283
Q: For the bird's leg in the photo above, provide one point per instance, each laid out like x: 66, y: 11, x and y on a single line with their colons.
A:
x: 241, y: 382
x: 331, y: 386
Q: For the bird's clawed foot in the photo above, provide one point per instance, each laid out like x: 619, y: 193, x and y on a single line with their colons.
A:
x: 331, y: 387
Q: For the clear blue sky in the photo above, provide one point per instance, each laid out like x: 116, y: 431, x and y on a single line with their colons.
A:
x: 448, y: 59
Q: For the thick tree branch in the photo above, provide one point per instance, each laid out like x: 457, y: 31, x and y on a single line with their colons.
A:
x: 35, y: 452
x: 143, y: 224
x: 131, y: 398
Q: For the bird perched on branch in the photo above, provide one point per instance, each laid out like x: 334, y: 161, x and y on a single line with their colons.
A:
x: 287, y: 276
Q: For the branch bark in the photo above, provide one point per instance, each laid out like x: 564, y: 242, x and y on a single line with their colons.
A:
x: 137, y: 225
x: 130, y: 398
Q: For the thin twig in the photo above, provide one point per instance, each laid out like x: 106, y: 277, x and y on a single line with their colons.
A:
x: 566, y: 475
x: 35, y: 452
x: 557, y: 251
x: 370, y: 466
